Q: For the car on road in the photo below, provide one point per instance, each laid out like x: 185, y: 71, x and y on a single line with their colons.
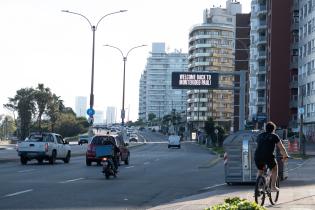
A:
x: 44, y: 146
x: 133, y: 137
x: 98, y: 141
x: 174, y: 141
x: 83, y: 139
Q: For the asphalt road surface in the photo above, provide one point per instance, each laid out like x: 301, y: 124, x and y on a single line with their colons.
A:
x: 155, y: 175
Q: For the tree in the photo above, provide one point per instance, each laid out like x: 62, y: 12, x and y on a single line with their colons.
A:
x: 209, y: 129
x: 42, y: 98
x: 23, y: 103
x: 151, y: 117
x: 7, y: 126
x: 54, y: 107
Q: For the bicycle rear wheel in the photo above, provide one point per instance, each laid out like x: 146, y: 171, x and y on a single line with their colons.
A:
x: 273, y: 196
x: 260, y: 193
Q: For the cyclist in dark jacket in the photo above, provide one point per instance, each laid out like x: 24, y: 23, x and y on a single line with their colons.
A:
x: 266, y: 143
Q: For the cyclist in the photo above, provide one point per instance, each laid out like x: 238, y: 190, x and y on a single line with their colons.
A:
x: 266, y: 143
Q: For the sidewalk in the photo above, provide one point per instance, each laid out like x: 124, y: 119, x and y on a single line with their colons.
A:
x: 296, y: 193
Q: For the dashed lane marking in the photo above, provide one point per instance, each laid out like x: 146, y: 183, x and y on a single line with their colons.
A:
x: 71, y: 180
x: 28, y: 170
x: 130, y: 167
x: 18, y: 193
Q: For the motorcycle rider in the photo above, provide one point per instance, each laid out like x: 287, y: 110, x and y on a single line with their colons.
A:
x: 111, y: 141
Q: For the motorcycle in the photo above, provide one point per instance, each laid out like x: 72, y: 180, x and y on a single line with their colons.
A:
x: 108, y: 167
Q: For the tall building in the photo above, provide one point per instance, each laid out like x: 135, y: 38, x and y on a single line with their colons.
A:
x: 242, y: 43
x: 258, y: 64
x: 98, y: 117
x: 294, y: 56
x: 155, y: 92
x: 110, y: 115
x: 211, y: 48
x: 80, y: 106
x: 306, y: 65
x: 270, y: 68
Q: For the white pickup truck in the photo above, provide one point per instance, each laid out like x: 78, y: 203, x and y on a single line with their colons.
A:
x: 44, y: 146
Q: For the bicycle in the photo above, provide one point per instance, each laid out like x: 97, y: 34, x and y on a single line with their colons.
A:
x: 263, y: 187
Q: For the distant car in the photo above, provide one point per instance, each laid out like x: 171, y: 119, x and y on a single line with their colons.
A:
x: 133, y: 137
x: 98, y: 141
x: 174, y: 141
x: 83, y: 139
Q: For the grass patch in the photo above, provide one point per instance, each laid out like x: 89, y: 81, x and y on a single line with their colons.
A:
x: 299, y: 156
x: 218, y: 150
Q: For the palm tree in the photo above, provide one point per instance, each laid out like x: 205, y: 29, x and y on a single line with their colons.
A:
x: 54, y: 107
x: 42, y: 98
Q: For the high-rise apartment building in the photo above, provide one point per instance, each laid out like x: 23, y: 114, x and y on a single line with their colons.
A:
x: 211, y: 48
x: 242, y: 43
x: 258, y: 64
x: 98, y: 117
x: 270, y: 68
x: 156, y: 94
x: 306, y: 64
x: 111, y: 115
x: 80, y: 106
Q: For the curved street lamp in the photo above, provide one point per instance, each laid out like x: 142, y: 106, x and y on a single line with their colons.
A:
x: 93, y: 28
x: 124, y: 60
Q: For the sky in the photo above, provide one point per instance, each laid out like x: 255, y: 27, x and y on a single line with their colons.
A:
x: 41, y: 44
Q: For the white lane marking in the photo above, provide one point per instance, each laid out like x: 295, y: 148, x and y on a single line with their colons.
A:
x: 18, y: 193
x: 125, y: 199
x: 130, y: 167
x: 28, y: 170
x: 71, y: 180
x: 146, y: 163
x: 157, y: 159
x: 214, y: 186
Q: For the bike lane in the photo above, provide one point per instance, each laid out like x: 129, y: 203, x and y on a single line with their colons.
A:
x: 296, y: 192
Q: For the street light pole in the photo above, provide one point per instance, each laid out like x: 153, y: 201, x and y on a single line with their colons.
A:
x: 93, y: 28
x: 124, y: 73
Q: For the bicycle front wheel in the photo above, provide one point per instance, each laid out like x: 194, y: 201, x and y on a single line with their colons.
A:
x: 260, y: 190
x: 273, y: 196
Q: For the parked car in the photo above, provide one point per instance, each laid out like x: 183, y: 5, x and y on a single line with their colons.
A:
x: 133, y: 137
x: 44, y: 146
x: 98, y: 141
x: 83, y: 139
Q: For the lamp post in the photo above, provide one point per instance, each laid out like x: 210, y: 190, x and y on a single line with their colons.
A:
x: 124, y: 60
x: 93, y: 28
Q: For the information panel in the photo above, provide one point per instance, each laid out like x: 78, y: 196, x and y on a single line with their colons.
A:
x: 194, y: 80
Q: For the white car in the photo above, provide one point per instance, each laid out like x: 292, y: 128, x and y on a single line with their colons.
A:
x: 133, y: 137
x: 174, y: 141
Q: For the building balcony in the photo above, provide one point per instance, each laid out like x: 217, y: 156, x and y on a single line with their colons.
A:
x: 261, y: 85
x: 294, y: 84
x: 262, y: 26
x: 197, y: 100
x: 293, y: 65
x: 261, y: 69
x: 196, y: 118
x: 262, y: 40
x: 294, y: 26
x: 262, y: 10
x: 262, y: 54
x: 293, y: 104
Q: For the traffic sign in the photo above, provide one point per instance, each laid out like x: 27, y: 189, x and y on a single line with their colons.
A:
x: 90, y: 120
x: 90, y: 111
x: 301, y: 110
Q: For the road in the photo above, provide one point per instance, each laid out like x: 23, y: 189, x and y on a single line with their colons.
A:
x: 156, y: 175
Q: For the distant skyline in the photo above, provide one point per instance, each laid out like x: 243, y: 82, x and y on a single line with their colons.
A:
x: 41, y: 44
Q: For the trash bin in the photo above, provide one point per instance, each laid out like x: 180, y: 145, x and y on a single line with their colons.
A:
x: 239, y: 164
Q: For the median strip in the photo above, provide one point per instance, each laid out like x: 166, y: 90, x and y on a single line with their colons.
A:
x: 29, y: 170
x: 18, y: 193
x: 71, y: 180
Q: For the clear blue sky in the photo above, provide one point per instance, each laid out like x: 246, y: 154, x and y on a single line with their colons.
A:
x: 40, y: 44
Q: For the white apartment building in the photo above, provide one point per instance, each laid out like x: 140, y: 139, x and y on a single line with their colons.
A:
x: 211, y: 48
x: 111, y: 115
x: 80, y: 106
x: 258, y: 56
x: 306, y: 65
x: 155, y: 92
